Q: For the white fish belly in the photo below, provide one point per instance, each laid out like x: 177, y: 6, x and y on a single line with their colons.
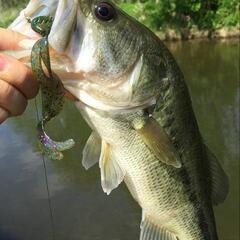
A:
x: 157, y: 187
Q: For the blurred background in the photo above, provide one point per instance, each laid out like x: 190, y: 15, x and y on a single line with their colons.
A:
x: 81, y: 211
x: 169, y: 18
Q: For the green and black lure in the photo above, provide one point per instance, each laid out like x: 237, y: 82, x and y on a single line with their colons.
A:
x: 52, y: 90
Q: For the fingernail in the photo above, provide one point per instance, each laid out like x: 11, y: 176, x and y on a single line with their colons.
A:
x: 3, y: 115
x: 27, y: 43
x: 3, y: 63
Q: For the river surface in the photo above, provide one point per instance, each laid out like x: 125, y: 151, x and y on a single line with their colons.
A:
x: 80, y: 209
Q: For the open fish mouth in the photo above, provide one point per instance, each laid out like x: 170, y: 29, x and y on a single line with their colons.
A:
x: 34, y: 9
x: 64, y: 13
x: 99, y: 64
x: 62, y: 38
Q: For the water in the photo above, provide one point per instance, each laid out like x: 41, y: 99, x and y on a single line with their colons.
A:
x: 80, y: 209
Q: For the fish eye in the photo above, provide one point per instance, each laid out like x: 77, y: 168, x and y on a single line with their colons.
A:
x: 105, y: 11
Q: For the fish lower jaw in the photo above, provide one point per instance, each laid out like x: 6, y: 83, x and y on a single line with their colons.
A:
x: 86, y: 100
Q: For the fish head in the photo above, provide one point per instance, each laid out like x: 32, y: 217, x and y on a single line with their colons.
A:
x: 105, y: 58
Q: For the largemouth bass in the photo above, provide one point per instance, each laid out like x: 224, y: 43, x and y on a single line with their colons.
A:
x: 132, y: 93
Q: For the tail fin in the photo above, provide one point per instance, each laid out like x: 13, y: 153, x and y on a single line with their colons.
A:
x: 219, y: 179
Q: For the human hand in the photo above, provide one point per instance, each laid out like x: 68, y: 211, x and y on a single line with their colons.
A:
x: 17, y: 83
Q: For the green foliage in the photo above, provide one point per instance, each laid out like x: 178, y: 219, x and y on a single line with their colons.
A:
x: 160, y: 14
x: 9, y: 9
x: 12, y: 3
x: 7, y: 16
x: 228, y: 13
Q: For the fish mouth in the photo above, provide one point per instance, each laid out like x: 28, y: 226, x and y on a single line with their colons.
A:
x: 34, y: 9
x: 62, y: 38
x: 64, y: 13
x: 65, y: 40
x: 62, y: 33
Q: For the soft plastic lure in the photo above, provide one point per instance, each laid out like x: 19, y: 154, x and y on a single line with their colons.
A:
x: 52, y: 90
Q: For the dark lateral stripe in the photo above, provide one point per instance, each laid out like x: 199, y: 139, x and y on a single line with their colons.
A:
x: 199, y: 213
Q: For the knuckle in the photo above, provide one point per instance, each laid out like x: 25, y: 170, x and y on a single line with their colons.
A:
x: 21, y: 77
x: 12, y: 99
x: 9, y: 90
x: 6, y: 90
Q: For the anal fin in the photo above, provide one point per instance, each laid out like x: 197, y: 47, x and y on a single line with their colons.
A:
x: 111, y: 173
x: 151, y: 231
x: 92, y: 150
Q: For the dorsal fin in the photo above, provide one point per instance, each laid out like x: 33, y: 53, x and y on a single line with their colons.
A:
x: 219, y: 179
x: 92, y: 150
x: 151, y: 231
x: 111, y: 173
x: 157, y: 140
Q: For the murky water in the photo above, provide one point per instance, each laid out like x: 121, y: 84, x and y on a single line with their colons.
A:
x: 81, y: 211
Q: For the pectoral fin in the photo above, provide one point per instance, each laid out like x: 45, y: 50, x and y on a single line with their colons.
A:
x: 92, y: 150
x: 219, y: 179
x: 111, y: 173
x: 157, y: 141
x: 150, y: 231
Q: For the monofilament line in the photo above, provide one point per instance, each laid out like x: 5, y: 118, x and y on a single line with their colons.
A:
x: 46, y: 182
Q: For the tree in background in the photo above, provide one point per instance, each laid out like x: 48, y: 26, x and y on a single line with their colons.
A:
x: 203, y: 14
x: 9, y: 9
x: 160, y: 14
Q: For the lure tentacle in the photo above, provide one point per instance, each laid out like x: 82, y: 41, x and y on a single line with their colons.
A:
x: 51, y: 88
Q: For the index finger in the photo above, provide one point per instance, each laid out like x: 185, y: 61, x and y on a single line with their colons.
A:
x: 9, y: 39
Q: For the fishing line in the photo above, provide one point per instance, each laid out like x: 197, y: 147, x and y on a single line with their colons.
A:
x: 46, y: 180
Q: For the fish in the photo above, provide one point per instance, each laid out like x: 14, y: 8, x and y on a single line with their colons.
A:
x: 132, y: 94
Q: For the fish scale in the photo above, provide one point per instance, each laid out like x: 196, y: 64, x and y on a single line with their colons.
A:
x: 158, y: 188
x: 132, y: 94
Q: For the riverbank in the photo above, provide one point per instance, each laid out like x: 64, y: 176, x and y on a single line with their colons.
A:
x: 191, y: 34
x: 173, y: 34
x: 168, y: 34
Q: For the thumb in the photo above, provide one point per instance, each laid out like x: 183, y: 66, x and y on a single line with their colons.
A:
x: 9, y: 39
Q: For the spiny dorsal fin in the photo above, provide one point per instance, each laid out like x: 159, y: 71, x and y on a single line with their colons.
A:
x: 157, y: 141
x: 92, y: 150
x: 111, y: 173
x: 151, y: 231
x: 219, y: 179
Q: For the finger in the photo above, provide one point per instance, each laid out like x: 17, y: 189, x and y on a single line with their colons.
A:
x: 18, y: 75
x: 11, y: 99
x: 9, y: 39
x: 4, y: 114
